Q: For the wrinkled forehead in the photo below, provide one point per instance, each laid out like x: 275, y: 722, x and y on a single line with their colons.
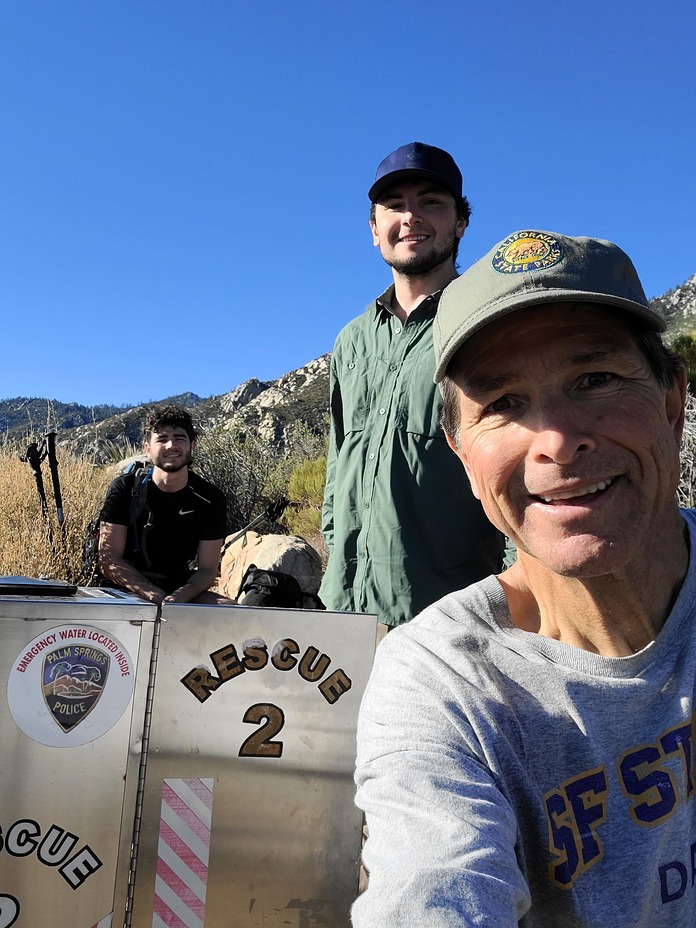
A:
x: 572, y: 329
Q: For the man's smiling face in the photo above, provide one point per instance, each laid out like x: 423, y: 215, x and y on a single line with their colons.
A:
x: 170, y: 448
x: 415, y: 226
x: 568, y: 439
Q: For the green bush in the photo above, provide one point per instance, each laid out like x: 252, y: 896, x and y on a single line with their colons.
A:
x: 306, y: 493
x: 685, y: 346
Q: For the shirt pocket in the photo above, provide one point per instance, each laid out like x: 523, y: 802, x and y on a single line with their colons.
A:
x: 419, y: 405
x: 355, y: 380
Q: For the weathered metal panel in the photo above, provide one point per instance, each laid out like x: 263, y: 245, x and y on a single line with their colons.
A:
x: 248, y: 812
x: 73, y: 681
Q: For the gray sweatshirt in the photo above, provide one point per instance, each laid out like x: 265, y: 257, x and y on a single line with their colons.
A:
x: 508, y: 778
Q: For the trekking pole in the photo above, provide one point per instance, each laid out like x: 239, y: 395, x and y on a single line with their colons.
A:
x: 53, y: 465
x: 272, y: 513
x: 33, y: 458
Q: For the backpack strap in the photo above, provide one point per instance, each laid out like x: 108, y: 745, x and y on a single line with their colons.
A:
x: 138, y: 503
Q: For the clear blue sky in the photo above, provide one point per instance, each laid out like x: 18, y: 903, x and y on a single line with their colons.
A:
x: 183, y: 182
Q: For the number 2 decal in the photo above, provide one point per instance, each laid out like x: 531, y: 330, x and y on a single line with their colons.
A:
x: 259, y: 744
x: 9, y: 910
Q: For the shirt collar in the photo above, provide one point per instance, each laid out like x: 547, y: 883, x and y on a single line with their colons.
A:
x: 427, y: 306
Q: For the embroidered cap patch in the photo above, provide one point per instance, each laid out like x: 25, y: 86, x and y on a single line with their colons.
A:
x: 527, y: 251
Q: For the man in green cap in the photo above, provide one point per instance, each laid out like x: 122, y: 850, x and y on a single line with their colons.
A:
x: 526, y: 748
x: 394, y: 548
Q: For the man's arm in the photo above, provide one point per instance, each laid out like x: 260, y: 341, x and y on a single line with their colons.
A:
x: 336, y: 437
x: 441, y: 846
x: 203, y: 578
x: 112, y: 544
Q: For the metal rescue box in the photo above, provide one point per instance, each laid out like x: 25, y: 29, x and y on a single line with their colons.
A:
x: 248, y: 807
x: 74, y: 677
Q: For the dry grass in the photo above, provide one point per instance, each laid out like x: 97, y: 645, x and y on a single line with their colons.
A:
x: 32, y: 546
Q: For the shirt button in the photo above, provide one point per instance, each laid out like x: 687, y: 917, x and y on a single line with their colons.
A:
x: 372, y: 455
x: 351, y: 365
x: 382, y: 411
x: 397, y: 331
x: 367, y: 505
x: 392, y: 367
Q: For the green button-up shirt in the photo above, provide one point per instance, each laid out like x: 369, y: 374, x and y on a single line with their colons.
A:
x: 399, y: 518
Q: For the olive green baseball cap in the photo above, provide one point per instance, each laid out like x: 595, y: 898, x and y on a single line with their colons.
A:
x: 529, y: 268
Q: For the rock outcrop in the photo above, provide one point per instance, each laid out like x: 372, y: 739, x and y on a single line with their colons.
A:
x: 299, y: 396
x: 288, y: 554
x: 678, y: 306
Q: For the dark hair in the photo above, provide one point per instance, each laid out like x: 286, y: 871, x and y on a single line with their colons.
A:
x: 173, y: 416
x: 463, y: 208
x: 449, y: 419
x: 665, y: 365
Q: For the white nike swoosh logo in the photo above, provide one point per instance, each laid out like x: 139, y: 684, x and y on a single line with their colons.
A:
x: 186, y: 512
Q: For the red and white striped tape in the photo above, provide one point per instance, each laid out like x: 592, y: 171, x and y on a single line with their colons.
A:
x: 182, y: 853
x: 104, y: 922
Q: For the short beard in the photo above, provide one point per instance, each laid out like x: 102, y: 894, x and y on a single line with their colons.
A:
x: 421, y: 265
x: 173, y: 467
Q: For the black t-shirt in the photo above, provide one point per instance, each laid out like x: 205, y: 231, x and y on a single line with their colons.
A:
x: 178, y: 522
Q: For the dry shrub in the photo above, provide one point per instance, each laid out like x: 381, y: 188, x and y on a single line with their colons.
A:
x: 252, y: 472
x: 246, y: 469
x: 32, y: 546
x: 687, y: 486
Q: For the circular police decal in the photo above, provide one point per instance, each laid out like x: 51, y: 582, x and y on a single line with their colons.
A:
x: 527, y: 251
x: 70, y: 685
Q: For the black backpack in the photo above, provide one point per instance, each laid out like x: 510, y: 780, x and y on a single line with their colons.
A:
x: 261, y: 587
x: 90, y: 547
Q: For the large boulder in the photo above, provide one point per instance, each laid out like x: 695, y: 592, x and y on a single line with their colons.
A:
x: 288, y: 554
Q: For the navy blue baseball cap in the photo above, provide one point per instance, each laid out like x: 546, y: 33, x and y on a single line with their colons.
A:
x: 417, y: 160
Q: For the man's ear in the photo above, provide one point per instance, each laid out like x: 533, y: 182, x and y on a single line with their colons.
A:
x: 146, y: 449
x: 675, y: 399
x: 375, y: 236
x: 454, y: 445
x: 460, y: 228
x: 194, y: 444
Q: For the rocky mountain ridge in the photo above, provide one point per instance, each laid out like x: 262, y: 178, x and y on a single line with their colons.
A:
x: 22, y: 416
x: 678, y: 306
x: 267, y: 408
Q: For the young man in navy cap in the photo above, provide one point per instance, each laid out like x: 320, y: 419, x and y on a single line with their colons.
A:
x: 527, y: 746
x: 400, y: 521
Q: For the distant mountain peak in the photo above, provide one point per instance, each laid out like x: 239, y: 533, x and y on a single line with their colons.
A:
x: 269, y: 408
